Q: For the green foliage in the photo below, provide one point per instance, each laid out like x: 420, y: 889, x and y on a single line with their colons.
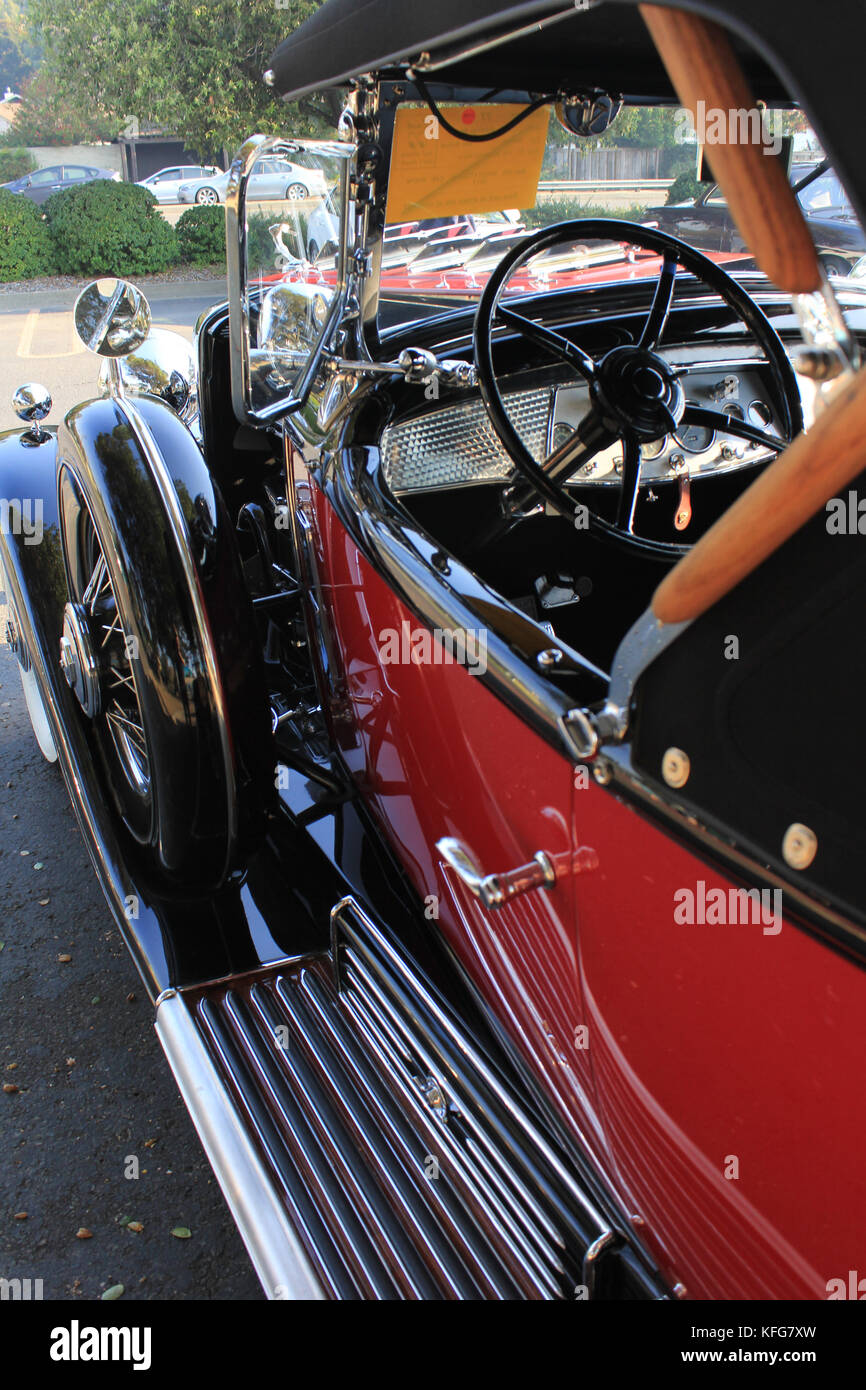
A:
x: 552, y: 210
x: 684, y: 187
x: 107, y: 228
x: 191, y: 67
x: 18, y: 53
x: 261, y: 251
x: 201, y: 235
x: 25, y: 244
x: 51, y: 116
x: 15, y: 163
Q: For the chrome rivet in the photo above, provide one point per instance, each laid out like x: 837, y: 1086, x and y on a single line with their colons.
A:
x: 602, y: 771
x: 799, y: 846
x: 676, y: 767
x: 551, y: 656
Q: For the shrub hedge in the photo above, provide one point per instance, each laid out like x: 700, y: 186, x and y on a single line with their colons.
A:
x: 26, y: 248
x: 108, y: 228
x: 201, y: 235
x: 684, y: 187
x: 15, y: 163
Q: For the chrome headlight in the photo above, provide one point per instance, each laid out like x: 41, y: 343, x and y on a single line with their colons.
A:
x: 163, y: 366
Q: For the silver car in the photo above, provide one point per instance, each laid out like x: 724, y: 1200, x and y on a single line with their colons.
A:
x: 271, y: 178
x: 165, y: 183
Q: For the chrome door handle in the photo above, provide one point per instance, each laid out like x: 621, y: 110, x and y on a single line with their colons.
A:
x: 494, y: 890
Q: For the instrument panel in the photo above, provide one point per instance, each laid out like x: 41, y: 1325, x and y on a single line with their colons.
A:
x: 737, y: 390
x: 457, y: 447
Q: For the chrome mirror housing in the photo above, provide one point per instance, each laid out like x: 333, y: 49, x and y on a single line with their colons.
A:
x: 284, y: 311
x: 112, y: 317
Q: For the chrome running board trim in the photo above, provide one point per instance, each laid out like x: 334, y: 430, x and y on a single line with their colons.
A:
x: 277, y: 1255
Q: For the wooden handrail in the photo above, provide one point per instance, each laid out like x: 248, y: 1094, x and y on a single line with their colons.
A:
x: 787, y: 494
x: 703, y: 67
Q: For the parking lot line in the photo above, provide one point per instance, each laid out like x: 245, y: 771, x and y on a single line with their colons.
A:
x: 25, y: 345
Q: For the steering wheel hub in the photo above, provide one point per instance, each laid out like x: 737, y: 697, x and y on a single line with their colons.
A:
x: 637, y: 392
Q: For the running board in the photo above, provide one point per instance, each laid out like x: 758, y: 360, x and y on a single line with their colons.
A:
x: 368, y: 1150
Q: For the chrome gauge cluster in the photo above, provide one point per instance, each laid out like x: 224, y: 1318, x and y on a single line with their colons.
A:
x: 735, y: 389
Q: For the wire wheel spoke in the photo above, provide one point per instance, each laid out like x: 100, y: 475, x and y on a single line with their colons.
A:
x: 124, y: 721
x: 130, y: 728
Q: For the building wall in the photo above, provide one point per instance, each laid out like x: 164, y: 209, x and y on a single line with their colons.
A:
x: 97, y: 156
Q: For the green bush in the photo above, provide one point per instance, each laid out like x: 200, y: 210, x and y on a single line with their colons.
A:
x: 568, y: 209
x: 684, y: 187
x: 108, y: 228
x: 15, y: 163
x: 26, y: 248
x: 201, y: 235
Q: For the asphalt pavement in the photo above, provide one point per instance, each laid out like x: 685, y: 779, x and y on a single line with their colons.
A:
x: 87, y: 1098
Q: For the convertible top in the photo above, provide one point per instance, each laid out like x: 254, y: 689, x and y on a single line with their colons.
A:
x: 787, y: 50
x: 600, y: 44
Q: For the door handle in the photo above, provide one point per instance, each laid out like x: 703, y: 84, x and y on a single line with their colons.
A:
x: 494, y: 890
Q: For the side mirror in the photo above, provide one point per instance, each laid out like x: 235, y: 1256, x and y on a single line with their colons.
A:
x: 112, y: 317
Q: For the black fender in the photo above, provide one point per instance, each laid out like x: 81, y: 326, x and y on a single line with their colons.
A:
x: 35, y: 583
x: 156, y: 506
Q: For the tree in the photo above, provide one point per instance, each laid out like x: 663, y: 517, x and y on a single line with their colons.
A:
x: 18, y: 53
x: 49, y: 116
x: 193, y: 67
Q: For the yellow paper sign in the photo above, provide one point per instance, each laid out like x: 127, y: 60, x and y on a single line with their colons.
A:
x: 433, y: 174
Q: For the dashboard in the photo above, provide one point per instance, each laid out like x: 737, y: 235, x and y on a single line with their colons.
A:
x: 457, y: 447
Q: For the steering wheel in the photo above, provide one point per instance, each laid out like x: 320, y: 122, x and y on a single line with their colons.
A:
x: 635, y: 395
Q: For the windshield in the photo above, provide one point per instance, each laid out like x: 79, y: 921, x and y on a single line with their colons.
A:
x: 643, y: 169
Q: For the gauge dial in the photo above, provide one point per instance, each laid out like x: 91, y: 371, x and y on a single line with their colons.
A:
x: 695, y: 439
x: 654, y: 448
x: 561, y: 434
x: 760, y: 414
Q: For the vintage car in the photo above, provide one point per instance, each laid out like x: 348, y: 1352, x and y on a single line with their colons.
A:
x: 431, y: 667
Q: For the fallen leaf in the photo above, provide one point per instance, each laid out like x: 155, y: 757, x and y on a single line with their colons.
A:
x: 149, y: 1143
x: 130, y: 998
x: 182, y: 1232
x: 123, y: 1220
x: 95, y: 999
x: 2, y: 944
x: 24, y: 853
x: 10, y: 1088
x: 43, y: 902
x: 20, y: 1216
x: 111, y: 1294
x: 83, y: 1234
x: 134, y: 1226
x: 64, y: 960
x: 70, y: 1061
x: 38, y: 865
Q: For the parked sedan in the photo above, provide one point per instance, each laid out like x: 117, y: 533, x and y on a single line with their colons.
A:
x: 55, y: 177
x: 164, y: 184
x: 270, y: 178
x: 706, y: 221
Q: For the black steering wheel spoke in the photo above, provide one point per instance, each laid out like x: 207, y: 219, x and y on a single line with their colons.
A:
x: 661, y: 305
x: 628, y: 493
x: 548, y: 338
x: 726, y: 424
